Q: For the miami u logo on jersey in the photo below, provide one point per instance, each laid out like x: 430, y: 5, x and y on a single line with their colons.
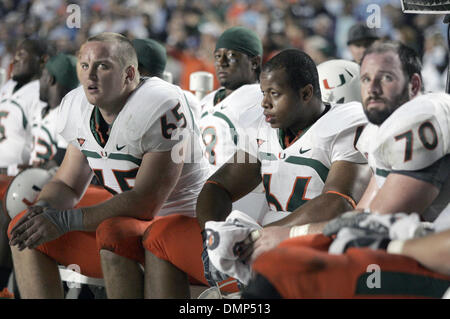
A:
x: 281, y: 155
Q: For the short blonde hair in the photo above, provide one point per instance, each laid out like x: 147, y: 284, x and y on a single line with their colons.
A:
x: 125, y: 52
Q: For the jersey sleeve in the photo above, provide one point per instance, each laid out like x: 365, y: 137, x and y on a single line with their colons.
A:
x: 29, y: 101
x: 416, y: 135
x: 68, y: 109
x: 194, y: 104
x: 344, y: 148
x: 350, y: 121
x: 164, y: 126
x: 362, y: 140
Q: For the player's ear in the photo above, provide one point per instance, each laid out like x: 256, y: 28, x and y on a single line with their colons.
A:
x: 306, y: 92
x: 43, y: 60
x: 255, y: 61
x: 130, y: 74
x: 415, y: 85
x: 51, y: 80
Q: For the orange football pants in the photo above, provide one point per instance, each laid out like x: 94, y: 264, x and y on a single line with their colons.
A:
x: 177, y: 239
x: 122, y: 235
x: 302, y: 268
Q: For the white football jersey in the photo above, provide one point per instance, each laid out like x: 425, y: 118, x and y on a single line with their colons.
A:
x: 46, y: 139
x: 295, y: 174
x: 194, y: 104
x: 7, y: 89
x: 16, y: 110
x: 220, y: 123
x: 151, y: 116
x: 415, y: 136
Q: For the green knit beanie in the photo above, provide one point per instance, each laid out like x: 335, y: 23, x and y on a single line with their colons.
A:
x: 151, y: 55
x: 63, y: 68
x: 240, y: 39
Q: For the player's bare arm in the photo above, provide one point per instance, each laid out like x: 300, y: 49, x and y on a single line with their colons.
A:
x: 70, y: 181
x: 230, y: 183
x: 369, y: 194
x: 436, y: 259
x: 343, y: 187
x: 143, y: 201
x: 65, y: 189
x: 156, y: 178
x: 402, y: 193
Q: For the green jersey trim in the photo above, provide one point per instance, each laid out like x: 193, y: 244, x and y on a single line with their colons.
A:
x: 125, y: 157
x: 115, y: 156
x: 403, y: 284
x: 91, y: 154
x: 194, y: 125
x: 282, y: 135
x: 266, y: 156
x: 47, y: 132
x: 220, y: 95
x: 230, y: 124
x: 24, y: 118
x: 382, y: 172
x: 321, y: 169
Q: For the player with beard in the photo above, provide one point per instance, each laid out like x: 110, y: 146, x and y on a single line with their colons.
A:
x: 407, y: 145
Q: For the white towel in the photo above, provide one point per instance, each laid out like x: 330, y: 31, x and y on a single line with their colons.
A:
x: 393, y: 226
x: 222, y: 239
x: 408, y: 227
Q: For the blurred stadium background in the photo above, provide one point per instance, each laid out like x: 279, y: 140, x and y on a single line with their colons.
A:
x: 189, y: 28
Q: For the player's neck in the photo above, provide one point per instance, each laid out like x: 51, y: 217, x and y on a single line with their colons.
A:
x: 311, y: 113
x: 55, y: 97
x: 112, y: 110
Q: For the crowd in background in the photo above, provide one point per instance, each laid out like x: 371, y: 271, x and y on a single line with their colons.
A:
x: 189, y: 28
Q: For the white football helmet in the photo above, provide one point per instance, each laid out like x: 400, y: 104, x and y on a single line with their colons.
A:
x: 339, y: 81
x: 24, y: 189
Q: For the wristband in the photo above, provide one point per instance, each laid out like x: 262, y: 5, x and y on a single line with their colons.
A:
x: 66, y: 220
x: 298, y: 231
x: 395, y: 247
x: 348, y: 198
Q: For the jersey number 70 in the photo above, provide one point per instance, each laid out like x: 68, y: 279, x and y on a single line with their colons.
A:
x: 409, y: 138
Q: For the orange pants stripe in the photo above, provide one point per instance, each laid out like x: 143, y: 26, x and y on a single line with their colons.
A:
x: 302, y: 268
